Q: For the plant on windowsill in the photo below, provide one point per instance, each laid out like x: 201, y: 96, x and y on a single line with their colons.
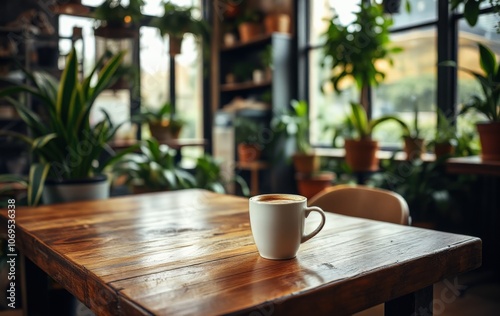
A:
x: 152, y: 169
x: 177, y: 21
x: 65, y: 145
x: 163, y: 124
x: 361, y: 149
x: 486, y: 103
x: 116, y: 20
x: 294, y: 123
x: 247, y: 133
x: 413, y: 142
x: 445, y: 137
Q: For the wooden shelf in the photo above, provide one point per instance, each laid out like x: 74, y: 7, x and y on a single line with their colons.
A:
x: 232, y: 87
x: 174, y: 143
x: 262, y: 39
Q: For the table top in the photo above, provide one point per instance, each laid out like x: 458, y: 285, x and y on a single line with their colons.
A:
x: 473, y: 165
x: 191, y: 252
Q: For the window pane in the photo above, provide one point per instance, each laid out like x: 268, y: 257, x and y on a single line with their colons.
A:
x: 411, y: 81
x: 326, y: 9
x: 421, y: 11
x: 87, y: 45
x: 468, y: 57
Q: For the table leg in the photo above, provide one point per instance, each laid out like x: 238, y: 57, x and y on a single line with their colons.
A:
x: 418, y: 303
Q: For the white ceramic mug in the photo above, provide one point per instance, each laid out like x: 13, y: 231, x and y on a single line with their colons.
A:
x: 277, y: 222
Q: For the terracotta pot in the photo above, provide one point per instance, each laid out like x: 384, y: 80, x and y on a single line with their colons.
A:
x: 309, y: 185
x: 248, y: 152
x: 414, y: 147
x: 489, y: 136
x: 443, y: 149
x: 175, y: 45
x: 277, y: 22
x: 162, y: 131
x: 305, y: 163
x: 249, y: 31
x: 361, y: 155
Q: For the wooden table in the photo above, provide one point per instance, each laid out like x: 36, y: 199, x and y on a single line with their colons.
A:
x: 191, y: 252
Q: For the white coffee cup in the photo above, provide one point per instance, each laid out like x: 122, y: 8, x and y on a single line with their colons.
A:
x: 277, y: 222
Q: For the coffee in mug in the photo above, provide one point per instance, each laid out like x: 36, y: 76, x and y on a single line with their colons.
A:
x: 277, y: 223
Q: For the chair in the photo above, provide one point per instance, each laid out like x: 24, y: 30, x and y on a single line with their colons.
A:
x: 363, y: 201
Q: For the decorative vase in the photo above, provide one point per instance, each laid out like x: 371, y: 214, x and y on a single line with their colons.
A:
x: 414, y: 147
x: 96, y: 188
x: 489, y: 136
x: 305, y: 163
x: 361, y: 155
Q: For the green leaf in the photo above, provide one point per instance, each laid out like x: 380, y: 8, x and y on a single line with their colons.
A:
x: 487, y: 60
x: 471, y: 12
x: 37, y: 175
x: 67, y: 84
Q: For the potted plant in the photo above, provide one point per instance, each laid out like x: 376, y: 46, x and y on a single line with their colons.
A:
x: 208, y: 175
x: 353, y: 50
x: 116, y: 20
x: 65, y: 144
x: 266, y: 57
x: 152, y: 169
x: 246, y: 135
x: 249, y: 25
x: 177, y: 21
x: 360, y: 151
x: 295, y: 123
x: 413, y: 142
x: 164, y: 125
x: 488, y: 103
x: 445, y: 136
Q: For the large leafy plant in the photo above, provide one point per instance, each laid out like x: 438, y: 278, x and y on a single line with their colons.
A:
x: 153, y: 168
x: 62, y: 140
x: 489, y: 103
x: 363, y: 127
x: 353, y: 50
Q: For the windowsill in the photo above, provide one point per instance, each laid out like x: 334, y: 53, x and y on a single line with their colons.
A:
x: 381, y: 154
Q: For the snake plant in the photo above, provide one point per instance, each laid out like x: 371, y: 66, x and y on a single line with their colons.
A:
x: 62, y: 140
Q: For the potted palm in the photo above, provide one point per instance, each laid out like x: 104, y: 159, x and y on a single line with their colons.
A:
x: 177, y: 21
x: 361, y: 149
x: 488, y: 103
x: 164, y: 125
x: 152, y: 169
x: 65, y: 145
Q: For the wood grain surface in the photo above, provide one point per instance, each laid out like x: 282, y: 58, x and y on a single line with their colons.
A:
x: 191, y: 252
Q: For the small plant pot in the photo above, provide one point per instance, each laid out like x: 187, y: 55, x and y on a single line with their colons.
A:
x: 361, y: 155
x: 258, y: 76
x: 163, y: 131
x: 229, y: 39
x: 414, y: 147
x: 277, y: 22
x: 175, y: 44
x: 96, y: 188
x: 309, y: 185
x: 305, y: 163
x: 443, y: 149
x: 489, y: 136
x: 249, y: 31
x: 248, y: 152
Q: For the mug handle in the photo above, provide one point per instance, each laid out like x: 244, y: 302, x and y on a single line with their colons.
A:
x: 314, y: 232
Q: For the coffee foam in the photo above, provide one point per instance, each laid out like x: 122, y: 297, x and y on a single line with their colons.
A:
x: 278, y: 198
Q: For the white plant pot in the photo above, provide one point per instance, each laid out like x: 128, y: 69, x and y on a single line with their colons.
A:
x: 76, y: 190
x: 258, y: 76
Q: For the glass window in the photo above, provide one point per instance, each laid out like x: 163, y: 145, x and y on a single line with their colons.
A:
x: 422, y: 11
x: 468, y: 57
x: 410, y: 82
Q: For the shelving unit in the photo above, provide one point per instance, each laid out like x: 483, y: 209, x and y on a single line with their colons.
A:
x: 275, y: 91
